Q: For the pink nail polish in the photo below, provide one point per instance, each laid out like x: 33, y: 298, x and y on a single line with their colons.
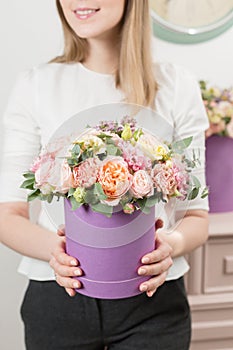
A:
x: 73, y: 262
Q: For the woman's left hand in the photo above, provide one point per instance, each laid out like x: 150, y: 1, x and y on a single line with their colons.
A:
x: 156, y: 264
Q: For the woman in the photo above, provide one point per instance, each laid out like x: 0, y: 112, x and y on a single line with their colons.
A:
x: 106, y: 55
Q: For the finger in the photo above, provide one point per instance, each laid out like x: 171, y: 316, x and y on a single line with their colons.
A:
x: 64, y: 270
x: 70, y: 291
x: 158, y: 224
x: 162, y: 251
x: 152, y: 285
x: 65, y: 259
x: 68, y: 282
x: 61, y: 230
x: 157, y: 268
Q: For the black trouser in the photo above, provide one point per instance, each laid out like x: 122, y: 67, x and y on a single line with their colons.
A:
x: 55, y: 321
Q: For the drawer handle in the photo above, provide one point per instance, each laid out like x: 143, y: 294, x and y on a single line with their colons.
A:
x: 228, y: 264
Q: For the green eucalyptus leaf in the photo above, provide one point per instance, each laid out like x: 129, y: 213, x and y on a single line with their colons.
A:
x: 196, y: 181
x: 101, y: 156
x: 28, y: 184
x: 193, y: 194
x: 98, y: 190
x: 146, y: 210
x: 71, y: 192
x: 33, y: 195
x: 102, y: 208
x: 50, y: 197
x: 181, y: 145
x: 74, y: 204
x: 29, y: 175
x: 151, y: 201
x: 90, y: 197
x: 205, y: 193
x: 76, y: 150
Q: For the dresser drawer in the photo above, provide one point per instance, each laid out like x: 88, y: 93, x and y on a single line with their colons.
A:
x: 218, y: 265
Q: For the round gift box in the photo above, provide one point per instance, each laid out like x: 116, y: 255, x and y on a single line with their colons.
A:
x: 109, y: 250
x: 219, y: 173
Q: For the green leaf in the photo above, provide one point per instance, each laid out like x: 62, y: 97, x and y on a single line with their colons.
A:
x: 151, y: 201
x: 91, y: 197
x: 33, y: 195
x: 49, y: 198
x: 102, y: 156
x: 193, y: 194
x: 28, y: 184
x: 146, y: 210
x: 181, y: 145
x: 196, y: 181
x: 205, y: 193
x: 87, y: 154
x: 102, y: 209
x: 76, y: 150
x: 29, y: 175
x: 104, y: 136
x: 74, y: 204
x: 141, y: 203
x: 98, y: 190
x: 112, y: 150
x: 71, y: 192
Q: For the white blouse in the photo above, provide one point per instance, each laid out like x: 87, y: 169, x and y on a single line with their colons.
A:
x: 46, y: 96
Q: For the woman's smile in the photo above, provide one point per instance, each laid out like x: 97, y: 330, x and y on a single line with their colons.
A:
x: 85, y: 13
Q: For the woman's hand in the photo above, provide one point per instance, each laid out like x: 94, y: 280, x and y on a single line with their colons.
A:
x: 156, y: 264
x: 65, y: 266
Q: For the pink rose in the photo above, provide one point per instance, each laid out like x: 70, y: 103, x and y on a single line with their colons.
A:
x: 142, y: 185
x: 53, y: 175
x: 43, y: 168
x: 61, y: 177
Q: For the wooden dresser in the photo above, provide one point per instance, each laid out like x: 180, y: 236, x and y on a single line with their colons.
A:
x: 210, y: 287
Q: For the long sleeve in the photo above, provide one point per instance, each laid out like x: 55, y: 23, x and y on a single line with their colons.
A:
x: 21, y: 137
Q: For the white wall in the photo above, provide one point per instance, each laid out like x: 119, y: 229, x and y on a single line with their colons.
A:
x: 210, y: 60
x: 29, y: 34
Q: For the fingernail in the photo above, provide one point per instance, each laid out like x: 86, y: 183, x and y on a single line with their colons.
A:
x: 141, y: 271
x: 77, y: 272
x: 143, y: 287
x: 73, y: 262
x: 70, y: 294
x: 76, y: 285
x: 150, y: 294
x: 145, y: 260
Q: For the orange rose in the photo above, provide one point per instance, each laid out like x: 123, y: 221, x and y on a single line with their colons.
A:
x: 114, y: 178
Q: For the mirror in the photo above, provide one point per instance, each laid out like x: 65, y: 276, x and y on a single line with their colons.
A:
x: 190, y: 21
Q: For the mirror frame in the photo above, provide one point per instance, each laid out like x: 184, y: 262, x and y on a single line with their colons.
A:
x: 184, y: 35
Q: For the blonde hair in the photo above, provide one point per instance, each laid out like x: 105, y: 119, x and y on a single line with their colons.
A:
x: 135, y: 73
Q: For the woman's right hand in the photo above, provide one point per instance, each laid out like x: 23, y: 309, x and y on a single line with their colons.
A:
x: 65, y: 266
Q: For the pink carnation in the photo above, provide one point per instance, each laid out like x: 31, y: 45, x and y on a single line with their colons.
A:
x: 164, y: 179
x: 86, y: 173
x: 134, y: 156
x: 181, y: 177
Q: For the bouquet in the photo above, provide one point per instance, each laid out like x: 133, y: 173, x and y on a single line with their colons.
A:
x: 114, y: 164
x: 111, y: 176
x: 219, y: 107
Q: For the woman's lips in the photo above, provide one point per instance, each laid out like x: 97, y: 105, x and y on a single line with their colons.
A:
x: 85, y: 13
